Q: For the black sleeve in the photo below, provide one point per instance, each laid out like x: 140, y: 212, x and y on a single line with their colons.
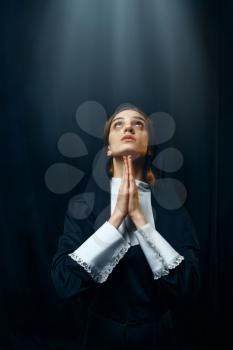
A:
x: 182, y: 285
x: 69, y: 278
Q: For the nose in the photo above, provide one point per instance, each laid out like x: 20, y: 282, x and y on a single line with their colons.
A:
x: 128, y: 127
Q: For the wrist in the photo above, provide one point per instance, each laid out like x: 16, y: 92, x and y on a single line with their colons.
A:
x: 116, y: 219
x: 138, y: 219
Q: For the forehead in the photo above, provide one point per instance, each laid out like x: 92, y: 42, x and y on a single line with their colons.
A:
x: 129, y: 114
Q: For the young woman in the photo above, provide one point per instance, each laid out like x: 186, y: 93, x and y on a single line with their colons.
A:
x: 126, y: 258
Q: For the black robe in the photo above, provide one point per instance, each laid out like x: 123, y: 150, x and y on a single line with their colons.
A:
x: 130, y: 297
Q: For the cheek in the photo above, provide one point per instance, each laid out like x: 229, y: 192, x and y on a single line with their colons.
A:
x: 144, y: 140
x: 112, y: 140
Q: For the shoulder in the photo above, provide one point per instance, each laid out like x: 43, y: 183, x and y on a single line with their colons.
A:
x: 177, y: 227
x: 80, y: 206
x: 78, y: 218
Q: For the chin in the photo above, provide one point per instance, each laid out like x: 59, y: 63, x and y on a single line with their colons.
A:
x: 131, y: 152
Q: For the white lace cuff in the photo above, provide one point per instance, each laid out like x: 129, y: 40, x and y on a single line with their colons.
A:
x: 160, y: 255
x: 101, y: 252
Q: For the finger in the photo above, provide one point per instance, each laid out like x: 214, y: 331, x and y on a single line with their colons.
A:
x: 131, y: 177
x: 123, y: 177
x: 125, y: 172
x: 130, y: 164
x: 131, y: 184
x: 130, y: 170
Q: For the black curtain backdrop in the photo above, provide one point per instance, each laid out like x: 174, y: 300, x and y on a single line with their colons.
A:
x: 171, y: 56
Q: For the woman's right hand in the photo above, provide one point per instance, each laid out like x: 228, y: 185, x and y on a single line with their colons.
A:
x: 121, y: 208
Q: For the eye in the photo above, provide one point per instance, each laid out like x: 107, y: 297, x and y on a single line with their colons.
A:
x: 137, y: 123
x: 140, y: 123
x: 117, y: 123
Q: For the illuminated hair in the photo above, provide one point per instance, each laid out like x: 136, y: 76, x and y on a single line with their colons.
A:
x: 148, y: 174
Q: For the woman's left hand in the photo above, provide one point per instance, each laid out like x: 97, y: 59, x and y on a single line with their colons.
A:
x: 134, y: 210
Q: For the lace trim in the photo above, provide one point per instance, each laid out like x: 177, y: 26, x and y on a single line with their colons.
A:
x: 176, y: 262
x: 98, y: 275
x: 152, y: 244
x: 166, y: 266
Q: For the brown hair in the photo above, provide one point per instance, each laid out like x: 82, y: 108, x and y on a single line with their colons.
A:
x: 152, y: 148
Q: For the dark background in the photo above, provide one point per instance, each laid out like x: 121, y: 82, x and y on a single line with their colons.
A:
x: 171, y: 56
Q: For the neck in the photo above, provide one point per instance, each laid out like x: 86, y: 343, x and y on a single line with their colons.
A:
x: 138, y: 166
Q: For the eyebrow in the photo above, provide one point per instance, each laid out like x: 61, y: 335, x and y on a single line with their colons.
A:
x: 135, y: 117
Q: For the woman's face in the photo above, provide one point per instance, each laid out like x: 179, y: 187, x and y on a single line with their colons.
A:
x: 128, y: 123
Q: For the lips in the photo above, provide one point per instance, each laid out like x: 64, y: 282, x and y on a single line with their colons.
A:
x: 128, y: 138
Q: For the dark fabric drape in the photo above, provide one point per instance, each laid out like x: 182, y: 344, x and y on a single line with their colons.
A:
x: 54, y: 57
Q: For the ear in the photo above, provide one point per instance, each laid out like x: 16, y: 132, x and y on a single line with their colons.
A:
x: 109, y: 152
